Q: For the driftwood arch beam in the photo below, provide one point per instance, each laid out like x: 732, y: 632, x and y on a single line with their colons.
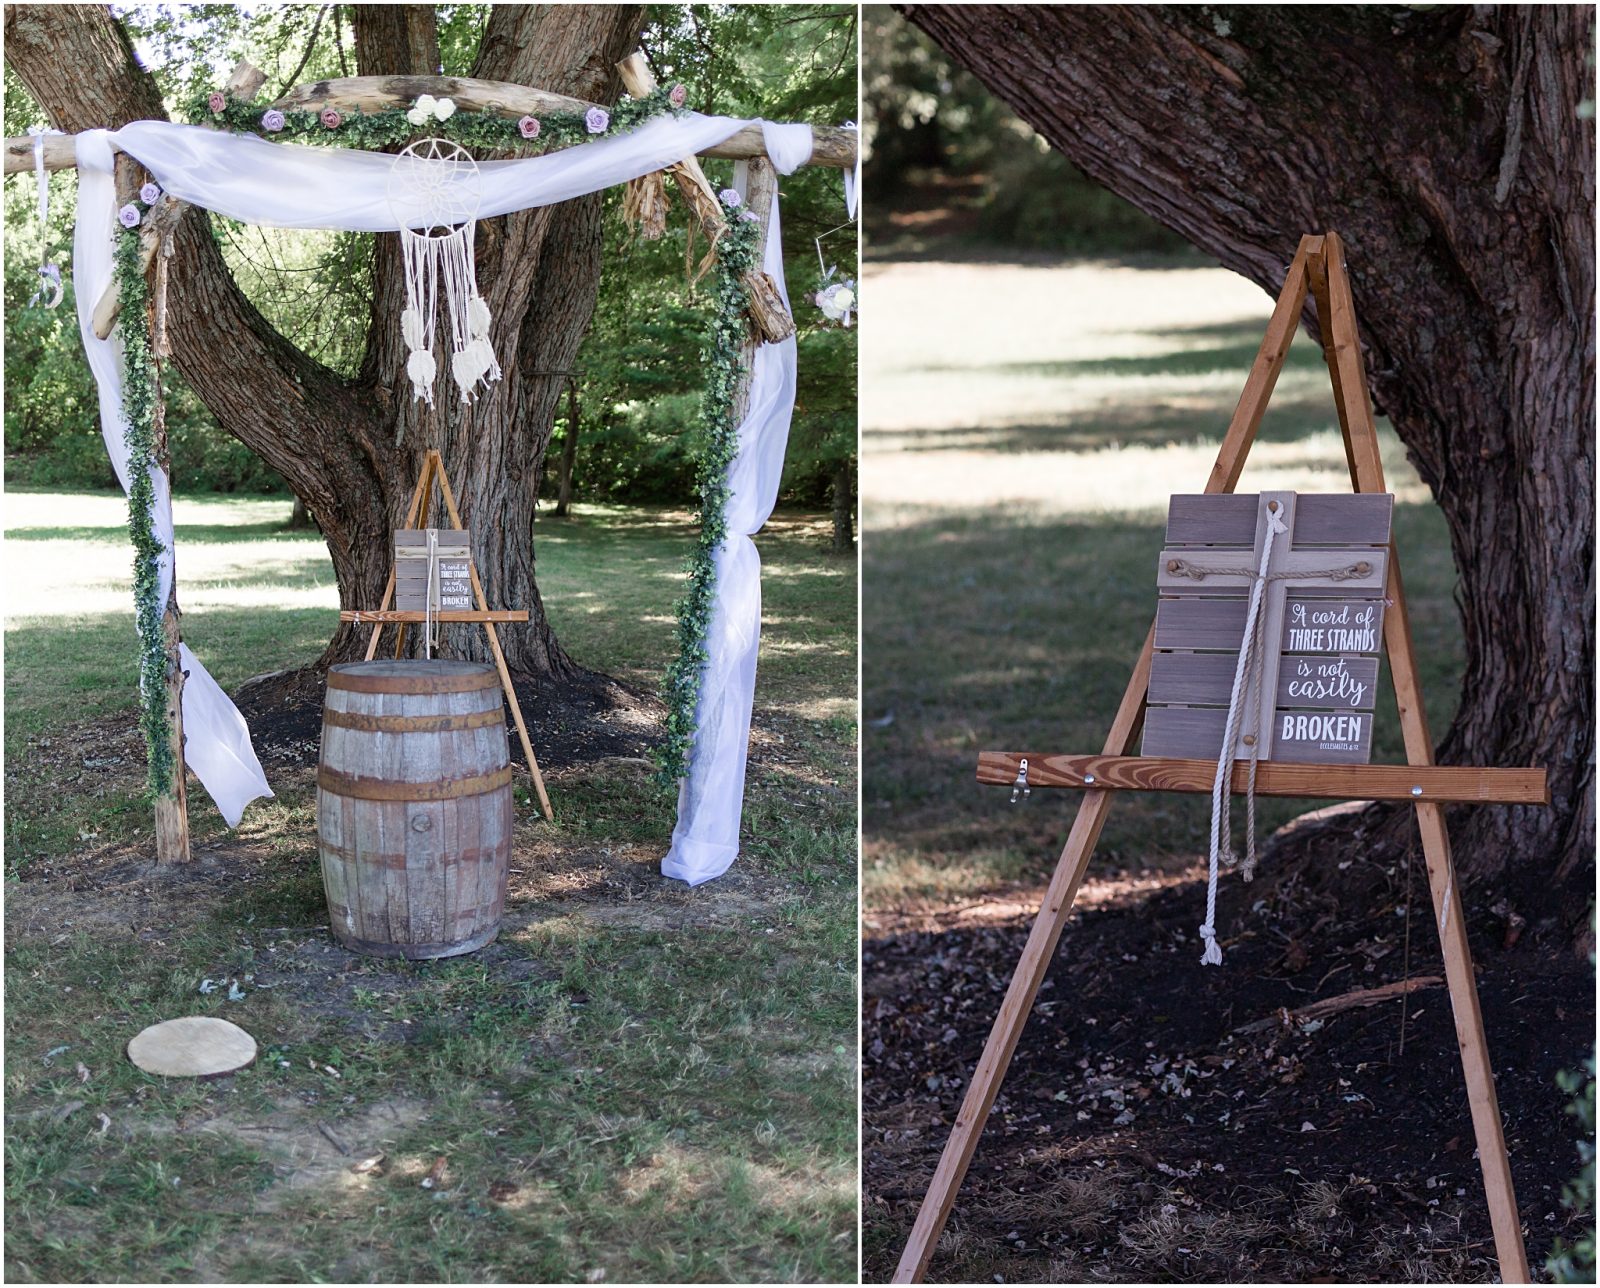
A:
x: 831, y: 146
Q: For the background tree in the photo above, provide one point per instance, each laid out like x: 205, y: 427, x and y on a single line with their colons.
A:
x: 1453, y: 148
x: 306, y: 324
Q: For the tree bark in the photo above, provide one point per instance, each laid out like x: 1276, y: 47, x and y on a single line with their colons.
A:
x: 569, y: 451
x: 844, y: 495
x: 1445, y: 145
x: 351, y: 450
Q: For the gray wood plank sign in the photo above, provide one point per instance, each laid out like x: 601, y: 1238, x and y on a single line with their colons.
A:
x: 450, y: 585
x: 1321, y: 629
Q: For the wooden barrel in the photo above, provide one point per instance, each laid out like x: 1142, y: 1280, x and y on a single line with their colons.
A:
x: 414, y: 807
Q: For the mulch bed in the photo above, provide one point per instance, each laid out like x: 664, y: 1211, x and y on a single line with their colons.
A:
x: 586, y: 718
x: 1141, y: 1135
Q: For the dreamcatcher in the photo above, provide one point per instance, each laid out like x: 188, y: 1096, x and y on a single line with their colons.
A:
x: 434, y: 192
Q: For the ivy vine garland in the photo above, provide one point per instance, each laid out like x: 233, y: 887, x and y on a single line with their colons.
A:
x: 390, y: 126
x: 736, y: 255
x: 139, y: 407
x: 723, y: 353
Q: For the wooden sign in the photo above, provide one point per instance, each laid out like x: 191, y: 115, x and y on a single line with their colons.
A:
x: 1322, y: 611
x: 432, y: 570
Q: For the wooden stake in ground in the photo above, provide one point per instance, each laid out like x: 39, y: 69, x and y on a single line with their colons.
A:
x: 171, y: 806
x: 1318, y: 267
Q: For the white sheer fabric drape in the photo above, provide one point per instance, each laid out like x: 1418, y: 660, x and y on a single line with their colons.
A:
x: 216, y: 738
x: 289, y: 186
x: 705, y: 841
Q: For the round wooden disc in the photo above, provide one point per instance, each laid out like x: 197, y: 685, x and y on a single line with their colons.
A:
x: 196, y: 1046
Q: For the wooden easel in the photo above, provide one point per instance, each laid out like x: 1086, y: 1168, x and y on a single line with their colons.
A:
x: 1318, y: 267
x: 417, y: 517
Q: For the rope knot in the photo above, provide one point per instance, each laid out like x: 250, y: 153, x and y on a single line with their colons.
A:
x: 1213, y: 954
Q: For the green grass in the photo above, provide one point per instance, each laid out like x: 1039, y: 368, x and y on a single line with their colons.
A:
x: 635, y: 1083
x: 1016, y: 482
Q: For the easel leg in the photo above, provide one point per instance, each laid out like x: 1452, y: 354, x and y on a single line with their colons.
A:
x: 423, y: 483
x: 499, y: 657
x: 1361, y: 447
x: 1003, y: 1038
x: 421, y: 504
x: 1063, y: 888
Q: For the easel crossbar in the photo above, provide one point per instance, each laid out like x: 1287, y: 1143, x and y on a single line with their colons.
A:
x: 1442, y: 784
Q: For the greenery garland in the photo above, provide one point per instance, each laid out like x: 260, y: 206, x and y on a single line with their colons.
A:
x: 723, y: 353
x: 389, y: 126
x: 723, y: 356
x: 139, y: 408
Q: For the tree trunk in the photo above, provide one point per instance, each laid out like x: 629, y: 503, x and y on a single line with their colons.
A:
x: 351, y: 450
x: 569, y: 451
x: 844, y: 496
x: 1445, y: 145
x: 299, y: 518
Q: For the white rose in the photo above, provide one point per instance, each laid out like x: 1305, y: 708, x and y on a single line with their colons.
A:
x: 844, y: 297
x: 444, y: 109
x: 417, y: 116
x: 425, y: 104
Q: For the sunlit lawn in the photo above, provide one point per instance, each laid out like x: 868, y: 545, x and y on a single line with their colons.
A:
x: 638, y: 1084
x: 1015, y: 476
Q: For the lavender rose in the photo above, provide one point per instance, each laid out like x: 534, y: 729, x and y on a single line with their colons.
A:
x: 751, y: 216
x: 129, y: 216
x: 150, y: 194
x: 596, y: 119
x: 730, y: 198
x: 331, y: 119
x: 215, y: 101
x: 529, y: 126
x: 272, y: 120
x: 677, y: 95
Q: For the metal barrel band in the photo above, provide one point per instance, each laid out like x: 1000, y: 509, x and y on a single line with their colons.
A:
x: 363, y: 722
x: 356, y: 787
x: 398, y: 862
x: 355, y: 682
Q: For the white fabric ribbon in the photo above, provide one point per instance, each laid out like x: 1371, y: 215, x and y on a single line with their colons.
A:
x: 216, y: 738
x: 852, y: 178
x: 49, y: 275
x: 705, y: 841
x: 290, y: 186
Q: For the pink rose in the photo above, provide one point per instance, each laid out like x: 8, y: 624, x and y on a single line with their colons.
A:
x: 529, y: 125
x: 215, y: 101
x: 331, y: 119
x: 677, y: 95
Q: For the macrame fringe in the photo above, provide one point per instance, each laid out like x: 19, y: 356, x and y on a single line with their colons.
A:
x: 644, y: 205
x: 428, y: 260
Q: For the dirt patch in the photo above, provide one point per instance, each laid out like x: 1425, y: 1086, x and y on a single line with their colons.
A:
x: 1152, y: 1127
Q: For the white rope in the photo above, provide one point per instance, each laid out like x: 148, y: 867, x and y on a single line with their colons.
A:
x: 428, y: 587
x: 1249, y: 659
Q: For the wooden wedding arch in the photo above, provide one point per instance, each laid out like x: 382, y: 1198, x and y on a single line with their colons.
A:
x: 832, y: 147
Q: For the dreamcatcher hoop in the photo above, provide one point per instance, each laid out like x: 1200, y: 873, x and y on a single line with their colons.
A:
x: 434, y: 193
x: 438, y: 181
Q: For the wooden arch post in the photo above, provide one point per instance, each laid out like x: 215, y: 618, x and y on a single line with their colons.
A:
x: 1318, y: 268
